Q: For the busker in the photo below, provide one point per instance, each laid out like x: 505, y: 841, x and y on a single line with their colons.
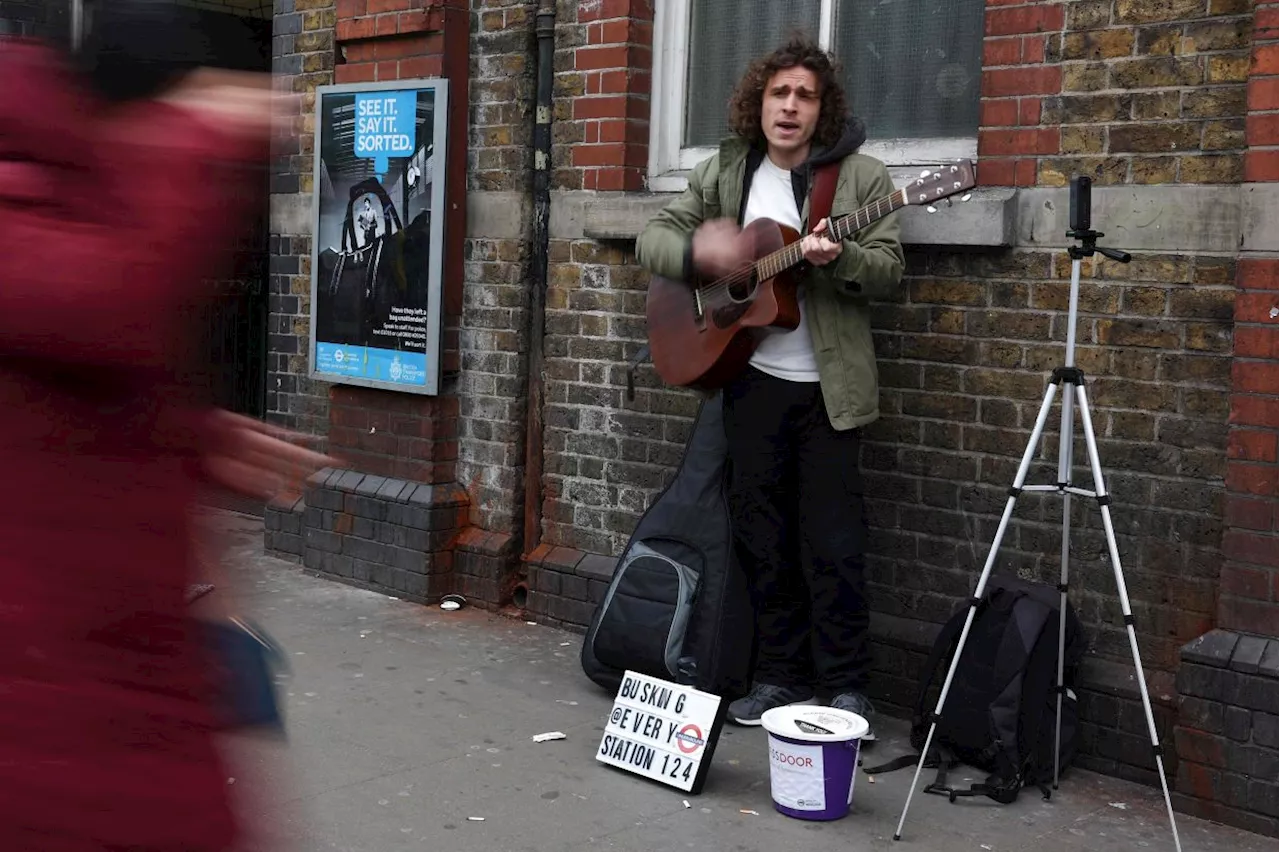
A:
x: 793, y: 418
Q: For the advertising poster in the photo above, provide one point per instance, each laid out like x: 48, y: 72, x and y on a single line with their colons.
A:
x: 378, y: 234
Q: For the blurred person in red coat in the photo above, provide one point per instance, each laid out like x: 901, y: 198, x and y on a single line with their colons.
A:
x: 114, y: 204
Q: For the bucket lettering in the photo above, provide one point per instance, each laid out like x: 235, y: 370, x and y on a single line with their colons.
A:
x: 813, y: 757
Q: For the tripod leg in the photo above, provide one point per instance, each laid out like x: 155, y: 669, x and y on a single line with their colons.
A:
x: 1104, y: 503
x: 1065, y: 456
x: 1014, y: 491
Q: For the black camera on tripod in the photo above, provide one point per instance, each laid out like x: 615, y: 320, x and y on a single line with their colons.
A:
x: 1081, y: 217
x: 1081, y: 202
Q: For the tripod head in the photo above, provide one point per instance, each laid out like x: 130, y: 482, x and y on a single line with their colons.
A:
x: 1081, y: 217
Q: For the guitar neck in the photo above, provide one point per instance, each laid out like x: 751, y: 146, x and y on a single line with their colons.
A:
x: 788, y: 256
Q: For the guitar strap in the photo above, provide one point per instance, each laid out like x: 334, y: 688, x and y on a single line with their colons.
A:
x: 824, y: 192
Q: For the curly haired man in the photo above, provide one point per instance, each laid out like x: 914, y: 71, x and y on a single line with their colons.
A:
x: 794, y: 417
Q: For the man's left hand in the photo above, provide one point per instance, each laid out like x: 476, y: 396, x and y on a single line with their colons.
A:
x: 817, y: 248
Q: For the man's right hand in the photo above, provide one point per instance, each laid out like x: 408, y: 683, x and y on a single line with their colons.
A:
x: 240, y: 102
x: 719, y: 247
x: 259, y: 460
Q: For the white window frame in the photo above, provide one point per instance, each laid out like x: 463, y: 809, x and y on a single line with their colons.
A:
x: 669, y: 163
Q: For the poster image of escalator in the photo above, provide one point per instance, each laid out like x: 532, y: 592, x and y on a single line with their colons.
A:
x: 378, y: 220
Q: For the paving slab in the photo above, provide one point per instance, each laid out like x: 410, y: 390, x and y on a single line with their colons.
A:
x: 405, y: 722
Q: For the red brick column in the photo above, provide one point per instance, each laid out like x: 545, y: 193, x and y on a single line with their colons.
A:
x: 1248, y: 593
x: 383, y: 432
x: 611, y: 79
x: 1015, y: 79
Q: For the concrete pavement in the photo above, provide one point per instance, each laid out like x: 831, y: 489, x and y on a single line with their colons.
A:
x: 404, y: 722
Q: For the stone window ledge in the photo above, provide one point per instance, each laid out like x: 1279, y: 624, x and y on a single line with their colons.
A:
x: 986, y: 219
x: 1221, y: 219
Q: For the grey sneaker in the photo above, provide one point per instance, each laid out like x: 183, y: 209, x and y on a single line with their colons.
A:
x: 856, y: 702
x: 766, y: 696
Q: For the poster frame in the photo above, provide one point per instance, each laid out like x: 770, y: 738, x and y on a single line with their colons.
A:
x: 438, y: 199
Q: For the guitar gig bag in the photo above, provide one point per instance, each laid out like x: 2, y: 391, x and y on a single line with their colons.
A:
x: 678, y: 606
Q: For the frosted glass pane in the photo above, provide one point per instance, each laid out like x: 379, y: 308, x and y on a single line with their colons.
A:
x: 725, y: 35
x: 912, y: 67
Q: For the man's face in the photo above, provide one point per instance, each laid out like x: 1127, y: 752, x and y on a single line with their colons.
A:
x: 789, y: 114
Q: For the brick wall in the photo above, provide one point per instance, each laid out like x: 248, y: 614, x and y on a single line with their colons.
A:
x: 1226, y: 733
x: 967, y: 350
x: 476, y: 424
x: 964, y: 361
x: 605, y: 457
x: 495, y: 305
x: 470, y: 432
x: 376, y: 431
x: 1249, y: 579
x: 302, y: 59
x: 602, y: 83
x: 1128, y: 92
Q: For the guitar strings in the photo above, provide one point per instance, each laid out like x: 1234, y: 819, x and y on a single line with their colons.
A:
x: 713, y: 291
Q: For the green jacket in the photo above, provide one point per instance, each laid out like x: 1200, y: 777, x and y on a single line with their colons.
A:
x: 869, y: 267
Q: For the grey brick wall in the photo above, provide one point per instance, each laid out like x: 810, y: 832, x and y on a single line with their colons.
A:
x: 494, y: 324
x: 1227, y: 726
x: 966, y: 355
x: 302, y: 58
x: 382, y: 533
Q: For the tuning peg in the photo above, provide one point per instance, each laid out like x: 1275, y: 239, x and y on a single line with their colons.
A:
x: 924, y: 173
x: 966, y: 196
x: 931, y: 209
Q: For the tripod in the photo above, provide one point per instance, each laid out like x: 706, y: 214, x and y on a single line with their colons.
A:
x: 1066, y: 376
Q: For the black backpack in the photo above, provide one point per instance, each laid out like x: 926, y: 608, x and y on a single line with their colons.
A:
x: 678, y: 606
x: 1000, y: 714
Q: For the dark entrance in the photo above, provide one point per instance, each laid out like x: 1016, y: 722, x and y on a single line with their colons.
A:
x: 238, y: 37
x: 237, y: 321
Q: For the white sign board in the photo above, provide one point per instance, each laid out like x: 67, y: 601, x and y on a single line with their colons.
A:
x: 662, y: 731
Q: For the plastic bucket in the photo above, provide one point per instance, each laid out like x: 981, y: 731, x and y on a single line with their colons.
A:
x: 813, y: 755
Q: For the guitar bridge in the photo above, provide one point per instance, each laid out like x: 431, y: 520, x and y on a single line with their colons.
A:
x: 699, y: 312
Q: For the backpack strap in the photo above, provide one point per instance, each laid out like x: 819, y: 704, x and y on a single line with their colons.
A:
x: 824, y: 192
x: 1014, y: 668
x: 942, y: 646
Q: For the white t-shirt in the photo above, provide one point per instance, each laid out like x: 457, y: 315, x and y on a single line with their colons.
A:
x: 785, y: 353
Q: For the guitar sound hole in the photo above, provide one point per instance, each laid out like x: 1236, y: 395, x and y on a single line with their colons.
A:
x: 742, y: 290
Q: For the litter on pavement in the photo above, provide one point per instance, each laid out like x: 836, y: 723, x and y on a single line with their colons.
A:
x: 549, y: 735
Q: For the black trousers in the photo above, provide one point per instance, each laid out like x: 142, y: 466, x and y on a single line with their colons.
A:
x: 796, y: 500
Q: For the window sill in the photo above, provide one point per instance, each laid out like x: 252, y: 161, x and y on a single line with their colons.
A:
x: 988, y: 218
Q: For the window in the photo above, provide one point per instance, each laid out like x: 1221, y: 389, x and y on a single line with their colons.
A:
x: 912, y: 70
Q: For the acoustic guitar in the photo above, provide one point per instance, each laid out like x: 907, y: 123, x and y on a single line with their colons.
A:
x: 701, y: 335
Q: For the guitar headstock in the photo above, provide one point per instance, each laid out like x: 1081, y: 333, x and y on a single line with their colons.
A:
x: 941, y: 183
